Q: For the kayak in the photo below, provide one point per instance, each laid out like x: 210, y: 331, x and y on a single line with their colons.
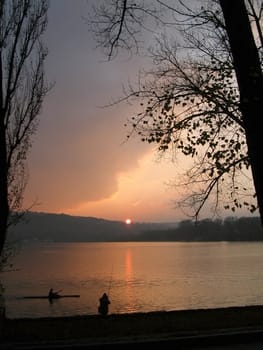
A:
x: 54, y: 297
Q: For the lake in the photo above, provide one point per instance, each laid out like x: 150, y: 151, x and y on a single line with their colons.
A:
x: 139, y: 277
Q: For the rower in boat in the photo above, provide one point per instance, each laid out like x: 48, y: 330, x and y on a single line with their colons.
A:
x: 52, y: 294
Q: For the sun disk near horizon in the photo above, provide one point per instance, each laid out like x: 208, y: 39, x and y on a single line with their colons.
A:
x: 128, y: 221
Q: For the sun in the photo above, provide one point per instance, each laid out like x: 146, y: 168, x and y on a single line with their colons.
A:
x: 128, y: 221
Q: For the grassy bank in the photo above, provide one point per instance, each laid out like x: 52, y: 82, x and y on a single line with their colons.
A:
x: 131, y: 325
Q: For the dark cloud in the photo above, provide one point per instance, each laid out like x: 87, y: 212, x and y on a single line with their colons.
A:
x: 78, y: 151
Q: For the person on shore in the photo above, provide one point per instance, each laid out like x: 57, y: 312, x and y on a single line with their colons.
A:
x: 104, y: 304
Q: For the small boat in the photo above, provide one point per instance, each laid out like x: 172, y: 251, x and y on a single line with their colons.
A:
x: 53, y: 297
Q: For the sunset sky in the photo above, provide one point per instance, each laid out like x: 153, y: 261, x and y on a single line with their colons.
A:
x: 80, y: 162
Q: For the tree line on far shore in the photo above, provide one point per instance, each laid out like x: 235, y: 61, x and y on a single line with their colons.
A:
x: 66, y: 228
x: 229, y: 229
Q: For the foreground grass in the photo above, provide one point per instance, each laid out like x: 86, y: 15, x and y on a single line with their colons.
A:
x: 131, y: 325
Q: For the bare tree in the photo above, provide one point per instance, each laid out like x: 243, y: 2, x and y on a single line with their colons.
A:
x: 190, y: 100
x: 23, y: 87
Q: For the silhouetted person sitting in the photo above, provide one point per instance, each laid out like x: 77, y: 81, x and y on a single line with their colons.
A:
x: 104, y: 304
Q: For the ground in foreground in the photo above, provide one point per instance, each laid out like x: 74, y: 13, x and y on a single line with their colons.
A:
x: 113, y: 327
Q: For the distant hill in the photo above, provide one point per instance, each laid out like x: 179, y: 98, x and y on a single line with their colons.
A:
x: 66, y: 228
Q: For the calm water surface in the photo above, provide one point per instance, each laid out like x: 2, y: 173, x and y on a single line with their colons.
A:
x: 139, y: 277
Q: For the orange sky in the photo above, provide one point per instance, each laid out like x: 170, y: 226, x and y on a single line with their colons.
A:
x: 79, y: 163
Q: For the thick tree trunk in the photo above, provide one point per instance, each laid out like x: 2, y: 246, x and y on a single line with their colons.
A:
x: 4, y: 207
x: 3, y: 190
x: 250, y: 82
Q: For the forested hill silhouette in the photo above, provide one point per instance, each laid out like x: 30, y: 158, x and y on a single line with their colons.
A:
x: 66, y: 228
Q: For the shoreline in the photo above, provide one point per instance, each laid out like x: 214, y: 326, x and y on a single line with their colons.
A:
x: 117, y: 327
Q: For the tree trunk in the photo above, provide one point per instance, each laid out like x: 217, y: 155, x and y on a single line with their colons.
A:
x: 250, y: 83
x: 4, y: 208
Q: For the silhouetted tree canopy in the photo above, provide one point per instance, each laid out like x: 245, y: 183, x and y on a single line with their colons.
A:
x: 23, y: 88
x: 192, y: 99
